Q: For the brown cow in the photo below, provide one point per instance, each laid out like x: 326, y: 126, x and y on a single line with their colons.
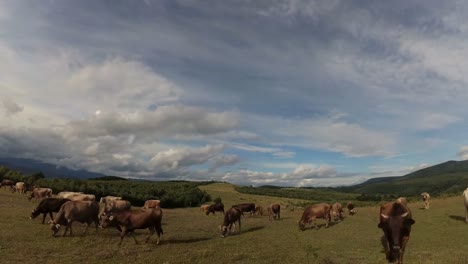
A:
x: 152, y: 204
x: 350, y: 207
x: 425, y: 197
x: 395, y: 221
x: 117, y: 205
x: 129, y: 220
x: 83, y: 212
x: 337, y: 212
x: 321, y: 210
x: 40, y: 193
x: 231, y: 216
x: 6, y: 182
x: 274, y: 211
x: 48, y: 206
x: 246, y: 207
x: 218, y: 207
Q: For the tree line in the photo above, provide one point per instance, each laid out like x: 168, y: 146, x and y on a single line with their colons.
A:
x: 172, y: 194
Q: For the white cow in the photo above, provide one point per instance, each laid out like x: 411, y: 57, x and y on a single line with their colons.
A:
x: 465, y: 195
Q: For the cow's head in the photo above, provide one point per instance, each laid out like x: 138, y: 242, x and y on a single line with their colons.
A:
x: 302, y: 225
x: 54, y: 227
x: 34, y: 214
x: 224, y: 230
x: 106, y: 219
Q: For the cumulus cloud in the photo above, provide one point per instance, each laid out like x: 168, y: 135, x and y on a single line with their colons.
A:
x: 463, y: 153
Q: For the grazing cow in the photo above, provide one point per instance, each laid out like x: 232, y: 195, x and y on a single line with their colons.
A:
x: 395, y: 221
x: 20, y: 187
x: 274, y: 211
x: 7, y: 183
x: 231, y: 216
x: 83, y: 197
x: 68, y: 195
x: 218, y: 207
x: 465, y: 196
x: 425, y: 197
x: 106, y: 199
x: 47, y: 206
x: 71, y: 211
x: 246, y: 207
x: 39, y: 193
x: 152, y: 204
x: 402, y: 200
x: 321, y: 210
x: 337, y: 211
x: 258, y: 210
x: 117, y: 205
x: 350, y: 207
x: 129, y: 220
x: 204, y: 207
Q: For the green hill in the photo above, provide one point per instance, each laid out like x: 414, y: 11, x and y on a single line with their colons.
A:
x: 445, y: 178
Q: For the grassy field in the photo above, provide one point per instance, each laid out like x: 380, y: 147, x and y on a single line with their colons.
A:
x: 439, y: 236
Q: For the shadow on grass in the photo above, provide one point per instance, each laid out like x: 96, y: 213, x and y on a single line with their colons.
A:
x: 457, y: 217
x: 253, y: 229
x: 186, y: 241
x: 422, y: 208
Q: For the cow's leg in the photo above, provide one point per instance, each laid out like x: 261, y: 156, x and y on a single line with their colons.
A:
x: 134, y: 237
x: 151, y: 232
x: 159, y: 232
x: 123, y: 234
x: 402, y: 250
x: 51, y: 217
x: 43, y: 217
x: 239, y: 224
x: 86, y: 228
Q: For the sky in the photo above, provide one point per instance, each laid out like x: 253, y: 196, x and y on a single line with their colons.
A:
x: 283, y: 92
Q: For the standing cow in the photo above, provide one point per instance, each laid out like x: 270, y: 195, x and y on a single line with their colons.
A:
x: 465, y: 196
x: 231, y: 216
x: 396, y: 222
x: 321, y: 210
x: 6, y: 182
x: 106, y: 199
x: 39, y: 193
x: 129, y: 220
x: 151, y: 204
x: 425, y: 197
x: 20, y: 187
x: 71, y: 211
x: 218, y: 207
x: 246, y: 207
x: 350, y: 207
x: 337, y: 212
x: 274, y: 211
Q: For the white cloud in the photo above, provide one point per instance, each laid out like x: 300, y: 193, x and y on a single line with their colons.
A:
x: 11, y: 107
x: 437, y: 121
x: 463, y: 153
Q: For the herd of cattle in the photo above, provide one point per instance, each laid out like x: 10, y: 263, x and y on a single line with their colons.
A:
x: 395, y: 217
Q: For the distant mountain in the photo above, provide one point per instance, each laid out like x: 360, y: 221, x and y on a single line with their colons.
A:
x: 28, y: 166
x: 447, y: 177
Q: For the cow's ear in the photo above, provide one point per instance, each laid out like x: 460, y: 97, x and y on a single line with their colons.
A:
x: 380, y: 225
x: 409, y: 222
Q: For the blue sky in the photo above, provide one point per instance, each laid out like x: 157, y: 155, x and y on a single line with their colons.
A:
x: 292, y: 93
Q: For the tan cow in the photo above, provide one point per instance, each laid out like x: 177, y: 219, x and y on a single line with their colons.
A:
x: 425, y: 197
x: 465, y: 196
x: 106, y: 199
x: 117, y: 205
x: 152, y: 204
x: 321, y: 210
x: 337, y: 211
x: 274, y: 211
x: 258, y: 210
x: 67, y: 195
x: 83, y: 197
x: 20, y: 187
x: 83, y: 212
x: 40, y: 193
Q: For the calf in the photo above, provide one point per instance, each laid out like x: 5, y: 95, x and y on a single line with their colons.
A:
x: 274, y: 211
x: 313, y: 212
x: 337, y: 211
x: 152, y: 204
x: 71, y: 211
x: 396, y: 222
x: 231, y: 216
x: 219, y: 207
x: 129, y: 220
x: 40, y: 193
x: 246, y: 207
x: 47, y: 206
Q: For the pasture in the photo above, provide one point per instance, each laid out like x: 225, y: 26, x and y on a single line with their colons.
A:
x: 439, y: 236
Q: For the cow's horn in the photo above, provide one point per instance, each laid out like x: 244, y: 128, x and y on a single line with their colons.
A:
x: 404, y: 215
x: 384, y: 216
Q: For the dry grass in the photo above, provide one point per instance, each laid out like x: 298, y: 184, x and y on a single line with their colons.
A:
x: 439, y: 236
